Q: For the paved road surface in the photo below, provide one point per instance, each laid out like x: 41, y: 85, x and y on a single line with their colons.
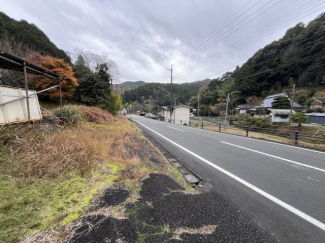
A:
x: 280, y: 186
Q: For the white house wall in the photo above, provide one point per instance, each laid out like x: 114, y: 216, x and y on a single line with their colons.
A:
x: 182, y: 115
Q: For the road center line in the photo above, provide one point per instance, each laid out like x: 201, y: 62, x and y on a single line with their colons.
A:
x: 276, y: 157
x: 176, y: 128
x: 254, y: 188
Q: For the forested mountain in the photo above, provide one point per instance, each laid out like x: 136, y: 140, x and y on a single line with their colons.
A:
x: 298, y: 57
x: 160, y: 93
x: 127, y: 85
x: 30, y: 36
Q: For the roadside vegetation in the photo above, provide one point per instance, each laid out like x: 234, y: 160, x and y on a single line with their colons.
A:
x: 49, y: 173
x: 261, y: 128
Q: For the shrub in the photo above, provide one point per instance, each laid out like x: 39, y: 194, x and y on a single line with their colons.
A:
x: 70, y: 114
x: 255, y: 122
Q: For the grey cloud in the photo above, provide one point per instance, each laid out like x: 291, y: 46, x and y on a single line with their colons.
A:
x: 144, y: 37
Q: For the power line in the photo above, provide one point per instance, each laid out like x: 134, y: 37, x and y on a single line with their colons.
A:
x: 208, y: 38
x: 244, y: 42
x: 234, y: 27
x: 252, y: 75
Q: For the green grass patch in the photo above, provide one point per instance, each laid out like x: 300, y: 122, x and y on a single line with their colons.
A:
x: 28, y: 206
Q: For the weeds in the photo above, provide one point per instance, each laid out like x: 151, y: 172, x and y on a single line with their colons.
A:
x: 70, y: 114
x: 48, y: 178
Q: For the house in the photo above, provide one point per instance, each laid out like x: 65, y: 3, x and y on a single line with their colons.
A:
x: 179, y: 114
x: 267, y: 102
x: 244, y: 108
x: 280, y: 115
x: 318, y: 118
x: 124, y: 112
x: 318, y: 103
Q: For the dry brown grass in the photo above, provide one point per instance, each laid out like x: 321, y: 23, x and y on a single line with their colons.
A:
x: 204, y: 230
x: 76, y: 162
x: 96, y: 115
x: 83, y: 149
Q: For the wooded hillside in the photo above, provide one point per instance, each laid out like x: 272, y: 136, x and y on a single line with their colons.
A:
x: 30, y: 36
x: 160, y: 93
x: 298, y: 57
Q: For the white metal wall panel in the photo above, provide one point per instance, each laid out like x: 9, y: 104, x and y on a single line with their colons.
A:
x: 35, y: 111
x: 2, y: 112
x: 16, y: 111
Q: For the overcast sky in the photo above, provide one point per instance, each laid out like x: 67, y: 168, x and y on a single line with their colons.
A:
x: 144, y: 37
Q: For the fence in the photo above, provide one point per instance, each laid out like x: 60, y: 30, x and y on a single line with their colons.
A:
x: 315, y: 140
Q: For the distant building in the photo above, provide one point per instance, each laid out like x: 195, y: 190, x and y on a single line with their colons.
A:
x: 318, y: 118
x: 318, y: 103
x: 267, y: 102
x: 179, y: 114
x: 280, y: 115
x: 244, y: 108
x: 124, y: 112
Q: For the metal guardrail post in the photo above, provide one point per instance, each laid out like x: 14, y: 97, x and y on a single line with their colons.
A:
x: 296, y: 137
x: 219, y: 127
x: 246, y: 132
x: 202, y: 125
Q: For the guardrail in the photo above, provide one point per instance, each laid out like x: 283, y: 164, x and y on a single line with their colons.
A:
x: 293, y: 137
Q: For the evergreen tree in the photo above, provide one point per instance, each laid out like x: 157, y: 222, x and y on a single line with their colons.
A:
x: 281, y: 102
x: 85, y: 79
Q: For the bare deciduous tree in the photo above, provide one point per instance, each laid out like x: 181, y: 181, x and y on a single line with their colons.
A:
x: 11, y: 46
x: 92, y: 60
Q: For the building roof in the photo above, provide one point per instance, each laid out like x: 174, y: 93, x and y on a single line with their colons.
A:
x: 168, y: 107
x: 320, y: 99
x: 281, y: 111
x: 267, y: 103
x: 244, y: 107
x: 11, y: 62
x: 315, y: 114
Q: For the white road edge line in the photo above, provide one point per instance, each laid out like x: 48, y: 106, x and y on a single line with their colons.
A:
x: 254, y: 188
x: 176, y: 128
x: 276, y: 157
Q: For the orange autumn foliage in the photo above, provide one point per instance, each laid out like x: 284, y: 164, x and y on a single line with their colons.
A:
x: 57, y: 66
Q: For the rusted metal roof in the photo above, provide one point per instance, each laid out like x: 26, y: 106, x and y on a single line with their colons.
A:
x: 11, y: 62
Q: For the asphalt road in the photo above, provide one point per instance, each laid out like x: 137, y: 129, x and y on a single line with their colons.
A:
x: 281, y: 187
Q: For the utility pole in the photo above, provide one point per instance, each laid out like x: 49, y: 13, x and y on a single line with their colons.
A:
x: 171, y: 84
x: 175, y: 112
x: 198, y: 106
x: 227, y: 100
x: 171, y: 91
x: 293, y: 93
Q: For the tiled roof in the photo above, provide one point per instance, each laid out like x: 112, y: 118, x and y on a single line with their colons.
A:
x: 321, y: 99
x: 281, y: 111
x: 267, y: 103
